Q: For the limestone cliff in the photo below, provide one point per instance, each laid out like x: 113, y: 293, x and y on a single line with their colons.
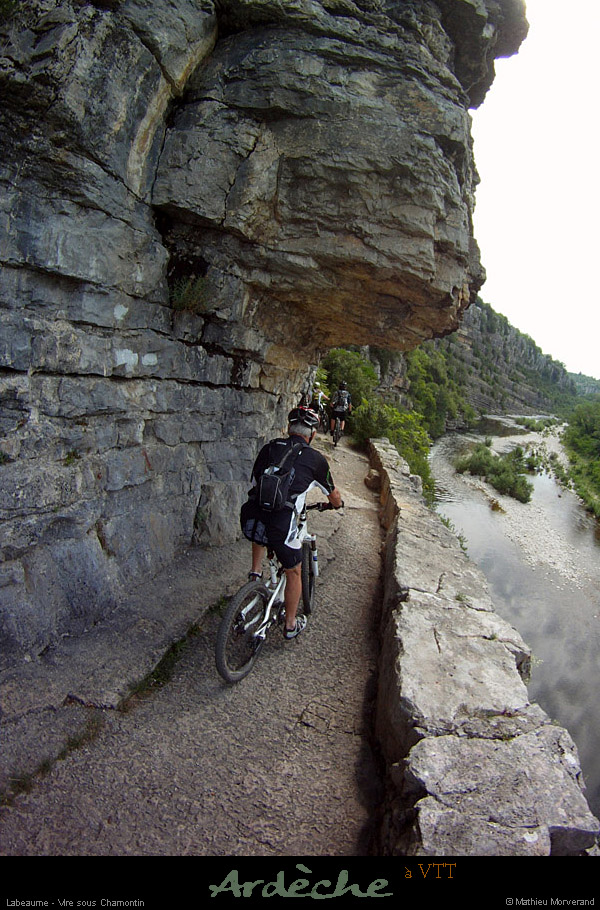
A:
x: 491, y: 365
x: 504, y: 370
x: 196, y: 198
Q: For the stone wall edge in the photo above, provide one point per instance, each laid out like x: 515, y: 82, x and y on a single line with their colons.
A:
x: 472, y: 766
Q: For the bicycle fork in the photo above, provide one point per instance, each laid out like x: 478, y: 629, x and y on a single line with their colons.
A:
x: 314, y: 553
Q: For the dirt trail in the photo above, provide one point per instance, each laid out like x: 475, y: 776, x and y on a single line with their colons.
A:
x: 278, y: 765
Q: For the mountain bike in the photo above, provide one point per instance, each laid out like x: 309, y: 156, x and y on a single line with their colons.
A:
x: 337, y: 431
x: 323, y: 420
x: 258, y: 606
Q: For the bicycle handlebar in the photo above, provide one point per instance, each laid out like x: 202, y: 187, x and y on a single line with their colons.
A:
x: 323, y: 506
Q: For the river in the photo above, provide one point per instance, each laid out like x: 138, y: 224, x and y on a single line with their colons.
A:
x: 542, y: 563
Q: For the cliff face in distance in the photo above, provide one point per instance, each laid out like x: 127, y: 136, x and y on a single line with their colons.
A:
x: 494, y: 367
x: 197, y: 198
x: 504, y: 370
x: 585, y: 385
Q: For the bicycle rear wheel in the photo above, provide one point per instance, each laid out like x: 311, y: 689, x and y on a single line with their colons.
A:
x: 308, y: 579
x: 337, y: 431
x: 237, y: 646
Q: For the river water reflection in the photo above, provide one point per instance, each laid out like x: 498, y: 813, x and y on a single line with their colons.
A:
x: 542, y: 563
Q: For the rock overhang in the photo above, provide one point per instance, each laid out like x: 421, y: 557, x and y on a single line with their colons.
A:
x: 316, y: 179
x: 323, y: 154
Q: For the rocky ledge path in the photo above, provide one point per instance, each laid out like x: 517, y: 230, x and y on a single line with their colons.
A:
x: 278, y: 765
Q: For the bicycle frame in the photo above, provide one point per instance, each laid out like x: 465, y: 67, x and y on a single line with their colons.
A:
x: 259, y: 604
x: 276, y: 581
x: 276, y: 585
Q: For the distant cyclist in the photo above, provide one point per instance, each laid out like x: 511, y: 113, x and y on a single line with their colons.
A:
x: 341, y: 406
x: 318, y: 396
x: 317, y: 404
x: 278, y: 530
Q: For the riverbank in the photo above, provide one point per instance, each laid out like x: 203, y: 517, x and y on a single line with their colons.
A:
x: 474, y: 765
x: 530, y: 525
x: 541, y: 562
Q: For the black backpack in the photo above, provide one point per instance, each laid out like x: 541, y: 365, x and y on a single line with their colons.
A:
x: 273, y: 487
x: 340, y: 400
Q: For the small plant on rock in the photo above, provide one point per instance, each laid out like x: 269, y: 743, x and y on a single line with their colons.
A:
x: 190, y: 294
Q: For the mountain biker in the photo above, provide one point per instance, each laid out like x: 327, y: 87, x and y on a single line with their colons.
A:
x: 341, y: 406
x: 317, y: 403
x: 317, y: 397
x: 279, y: 529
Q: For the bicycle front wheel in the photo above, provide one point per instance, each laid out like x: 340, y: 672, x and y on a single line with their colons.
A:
x: 237, y: 645
x: 308, y: 579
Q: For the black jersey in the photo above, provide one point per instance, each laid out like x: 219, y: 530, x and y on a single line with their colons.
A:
x: 311, y: 467
x: 280, y: 529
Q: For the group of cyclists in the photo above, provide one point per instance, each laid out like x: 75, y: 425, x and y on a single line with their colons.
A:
x: 340, y: 405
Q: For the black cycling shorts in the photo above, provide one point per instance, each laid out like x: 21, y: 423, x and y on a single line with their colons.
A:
x: 276, y: 530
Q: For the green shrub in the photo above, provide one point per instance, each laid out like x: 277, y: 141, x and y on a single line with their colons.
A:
x: 374, y: 419
x: 583, y: 432
x: 582, y: 443
x: 537, y: 426
x: 8, y: 8
x: 434, y: 391
x: 503, y: 472
x: 341, y: 365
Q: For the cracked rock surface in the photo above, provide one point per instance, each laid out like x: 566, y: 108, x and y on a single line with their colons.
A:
x: 197, y: 199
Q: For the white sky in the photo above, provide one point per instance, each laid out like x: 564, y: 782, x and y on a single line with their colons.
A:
x: 537, y: 212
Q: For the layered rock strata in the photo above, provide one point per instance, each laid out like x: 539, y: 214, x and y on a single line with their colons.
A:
x: 196, y: 198
x: 501, y: 369
x: 472, y: 766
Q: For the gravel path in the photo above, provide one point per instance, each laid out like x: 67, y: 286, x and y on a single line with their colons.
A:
x: 278, y: 765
